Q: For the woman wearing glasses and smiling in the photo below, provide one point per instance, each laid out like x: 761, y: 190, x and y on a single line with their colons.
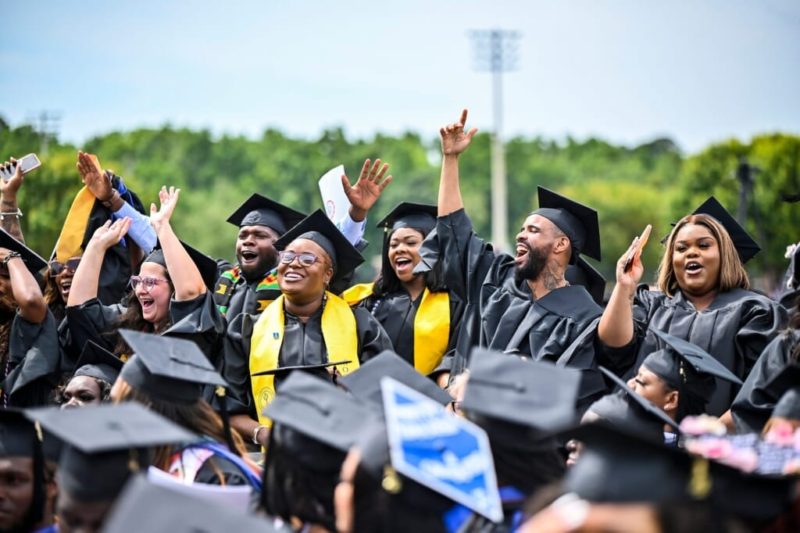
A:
x: 169, y: 293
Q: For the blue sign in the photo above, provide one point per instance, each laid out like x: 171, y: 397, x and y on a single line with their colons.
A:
x: 440, y: 450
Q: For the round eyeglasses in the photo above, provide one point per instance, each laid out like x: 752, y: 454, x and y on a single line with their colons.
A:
x: 306, y: 259
x: 147, y: 282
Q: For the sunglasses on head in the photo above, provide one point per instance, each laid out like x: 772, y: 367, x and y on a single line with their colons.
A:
x: 305, y: 258
x: 71, y: 264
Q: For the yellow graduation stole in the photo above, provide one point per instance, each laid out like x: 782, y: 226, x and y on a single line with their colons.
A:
x: 74, y: 228
x: 338, y: 329
x: 431, y: 324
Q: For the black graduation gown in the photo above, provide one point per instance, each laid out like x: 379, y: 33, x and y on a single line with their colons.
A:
x: 33, y: 367
x: 735, y: 329
x: 197, y: 320
x: 302, y: 345
x: 499, y: 313
x: 753, y: 405
x: 396, y: 312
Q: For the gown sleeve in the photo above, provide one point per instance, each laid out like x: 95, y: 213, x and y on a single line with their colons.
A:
x: 34, y: 354
x: 236, y: 365
x: 372, y: 338
x: 760, y: 325
x: 93, y: 321
x: 200, y: 321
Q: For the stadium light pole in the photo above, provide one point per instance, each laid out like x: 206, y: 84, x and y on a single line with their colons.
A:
x: 496, y: 52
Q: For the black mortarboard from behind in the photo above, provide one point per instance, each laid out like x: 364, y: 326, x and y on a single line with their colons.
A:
x: 319, y: 410
x: 583, y: 273
x: 685, y: 366
x: 97, y: 362
x: 410, y: 215
x: 318, y: 228
x: 104, y: 444
x: 632, y: 411
x: 365, y: 383
x: 576, y: 220
x: 789, y: 405
x: 168, y: 368
x: 618, y: 466
x: 145, y: 506
x: 743, y: 242
x: 259, y: 210
x: 527, y: 393
x: 32, y: 260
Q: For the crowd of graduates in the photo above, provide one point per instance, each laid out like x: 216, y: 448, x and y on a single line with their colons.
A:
x: 148, y: 387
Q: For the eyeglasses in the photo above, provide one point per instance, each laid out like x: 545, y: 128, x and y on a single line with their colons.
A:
x: 305, y: 258
x: 57, y: 268
x: 147, y: 282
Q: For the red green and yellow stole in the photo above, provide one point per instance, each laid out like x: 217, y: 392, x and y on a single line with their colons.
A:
x: 338, y: 330
x: 431, y: 325
x: 266, y: 290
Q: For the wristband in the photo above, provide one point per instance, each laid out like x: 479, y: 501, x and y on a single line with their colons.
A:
x: 4, y: 214
x: 11, y: 255
x: 255, y: 433
x: 109, y: 203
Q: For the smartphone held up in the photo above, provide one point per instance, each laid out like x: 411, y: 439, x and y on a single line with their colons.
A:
x: 27, y: 163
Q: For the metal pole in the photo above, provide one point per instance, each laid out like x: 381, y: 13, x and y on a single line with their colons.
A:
x: 499, y: 193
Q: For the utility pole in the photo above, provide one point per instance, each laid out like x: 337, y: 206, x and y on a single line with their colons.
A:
x: 496, y: 52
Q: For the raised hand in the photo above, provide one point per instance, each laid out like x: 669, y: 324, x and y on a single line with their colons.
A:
x: 94, y: 177
x: 110, y: 233
x: 629, y: 280
x: 10, y: 187
x: 454, y: 139
x: 168, y: 199
x: 367, y: 190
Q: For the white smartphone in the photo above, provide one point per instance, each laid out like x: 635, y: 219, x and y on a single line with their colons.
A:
x: 28, y: 163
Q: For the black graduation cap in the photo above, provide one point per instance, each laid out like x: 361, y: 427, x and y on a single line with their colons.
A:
x: 616, y: 465
x: 259, y: 210
x: 576, y: 220
x: 32, y: 260
x: 146, y: 506
x: 631, y: 410
x: 668, y: 364
x: 104, y: 443
x: 97, y: 362
x: 319, y: 371
x: 410, y: 215
x: 583, y: 273
x: 319, y: 410
x: 205, y: 264
x: 168, y: 368
x: 743, y: 242
x: 365, y: 383
x: 789, y: 405
x: 533, y: 394
x: 318, y: 228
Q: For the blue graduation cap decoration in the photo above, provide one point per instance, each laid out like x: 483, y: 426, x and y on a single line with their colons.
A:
x: 446, y: 453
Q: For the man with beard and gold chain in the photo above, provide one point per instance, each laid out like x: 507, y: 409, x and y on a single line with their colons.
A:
x: 521, y: 304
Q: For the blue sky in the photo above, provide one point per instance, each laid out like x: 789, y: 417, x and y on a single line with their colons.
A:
x: 628, y: 71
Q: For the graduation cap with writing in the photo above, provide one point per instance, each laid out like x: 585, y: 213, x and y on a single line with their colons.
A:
x: 168, y: 368
x: 616, y: 465
x: 146, y: 506
x: 318, y: 228
x: 319, y: 410
x: 365, y: 383
x: 104, y: 444
x: 576, y: 220
x: 97, y: 362
x: 32, y: 260
x: 205, y: 265
x: 421, y: 217
x: 583, y: 273
x: 685, y: 366
x: 632, y: 411
x: 259, y: 210
x: 19, y: 438
x: 525, y: 393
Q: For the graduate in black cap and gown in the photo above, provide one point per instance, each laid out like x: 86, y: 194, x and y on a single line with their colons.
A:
x: 306, y: 325
x: 250, y: 285
x: 29, y: 357
x: 521, y: 304
x: 94, y: 375
x: 170, y: 293
x: 416, y: 310
x: 704, y: 297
